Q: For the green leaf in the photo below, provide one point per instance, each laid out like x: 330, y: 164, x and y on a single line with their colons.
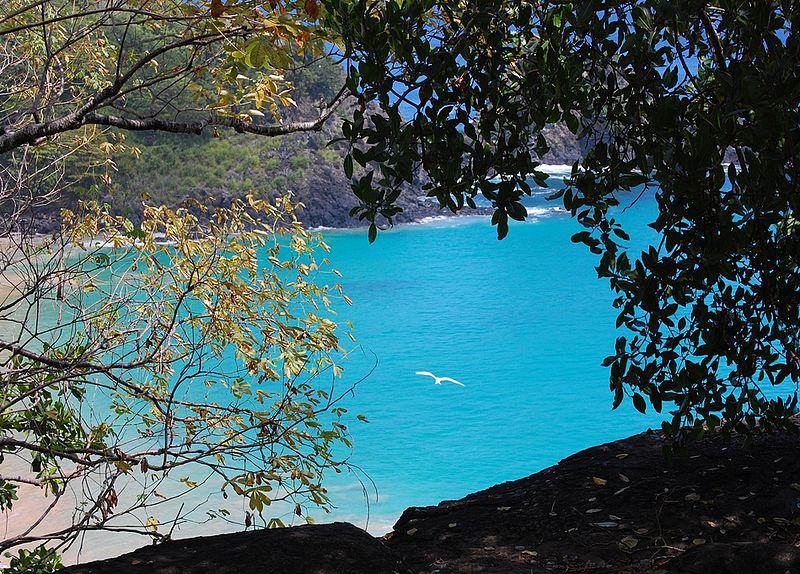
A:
x: 348, y: 165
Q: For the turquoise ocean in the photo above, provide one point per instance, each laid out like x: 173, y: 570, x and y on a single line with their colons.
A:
x: 524, y: 323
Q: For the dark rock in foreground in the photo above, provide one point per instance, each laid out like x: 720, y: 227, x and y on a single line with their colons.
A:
x: 621, y: 507
x: 315, y: 549
x: 741, y: 558
x: 729, y: 507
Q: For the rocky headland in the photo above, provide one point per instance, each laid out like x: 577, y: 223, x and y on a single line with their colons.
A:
x: 213, y: 169
x: 730, y: 506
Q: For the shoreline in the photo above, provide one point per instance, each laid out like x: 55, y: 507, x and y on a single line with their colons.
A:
x: 555, y: 171
x: 537, y: 214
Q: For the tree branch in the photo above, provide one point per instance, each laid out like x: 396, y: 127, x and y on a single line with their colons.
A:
x: 21, y: 479
x: 33, y: 133
x: 197, y: 127
x: 713, y: 39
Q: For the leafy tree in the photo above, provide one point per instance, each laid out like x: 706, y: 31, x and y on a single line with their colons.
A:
x: 140, y: 362
x: 126, y: 65
x: 185, y: 353
x: 672, y: 96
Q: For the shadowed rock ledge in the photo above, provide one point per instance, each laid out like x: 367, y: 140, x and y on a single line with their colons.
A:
x: 729, y: 507
x: 313, y: 549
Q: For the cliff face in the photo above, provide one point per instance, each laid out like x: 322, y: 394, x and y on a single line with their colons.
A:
x: 565, y: 148
x: 729, y: 507
x: 214, y: 170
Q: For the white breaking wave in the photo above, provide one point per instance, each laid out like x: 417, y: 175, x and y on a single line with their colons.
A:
x: 534, y: 214
x: 555, y: 168
x: 448, y: 220
x: 544, y: 211
x: 435, y: 218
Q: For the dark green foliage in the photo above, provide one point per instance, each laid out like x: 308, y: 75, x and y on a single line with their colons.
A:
x: 8, y: 494
x: 40, y: 560
x: 173, y: 167
x: 662, y: 94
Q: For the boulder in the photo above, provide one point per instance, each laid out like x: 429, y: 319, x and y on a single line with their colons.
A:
x: 313, y: 549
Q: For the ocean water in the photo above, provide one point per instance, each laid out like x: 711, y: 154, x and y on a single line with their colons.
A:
x: 523, y: 323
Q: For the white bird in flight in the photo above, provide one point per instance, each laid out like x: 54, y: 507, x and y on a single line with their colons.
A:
x: 440, y: 380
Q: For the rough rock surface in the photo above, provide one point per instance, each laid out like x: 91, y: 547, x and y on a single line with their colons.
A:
x: 318, y: 549
x: 621, y: 507
x: 729, y: 507
x: 741, y: 558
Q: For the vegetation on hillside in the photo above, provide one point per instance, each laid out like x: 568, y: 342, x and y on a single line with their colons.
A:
x: 217, y: 167
x: 227, y: 165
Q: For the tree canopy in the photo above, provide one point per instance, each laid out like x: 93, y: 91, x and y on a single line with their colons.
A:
x: 142, y: 360
x: 697, y: 102
x: 128, y: 64
x: 694, y: 102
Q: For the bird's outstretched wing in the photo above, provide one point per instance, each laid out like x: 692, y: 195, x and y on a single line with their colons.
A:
x: 426, y: 374
x: 450, y: 380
